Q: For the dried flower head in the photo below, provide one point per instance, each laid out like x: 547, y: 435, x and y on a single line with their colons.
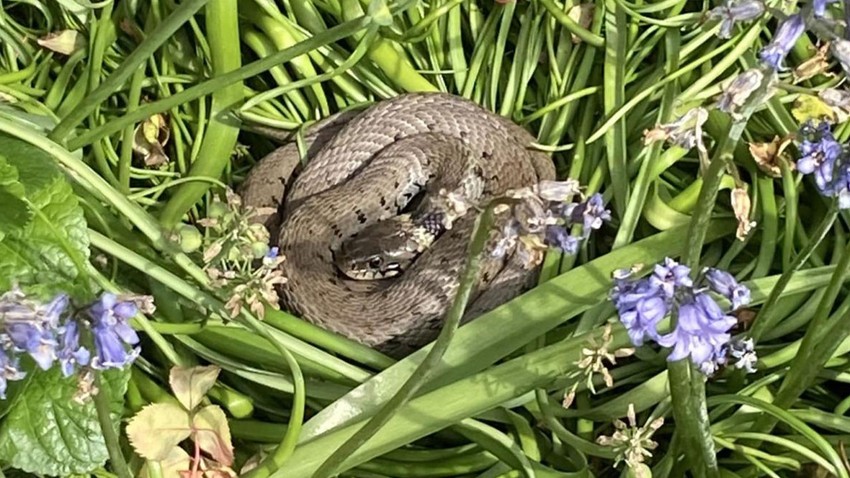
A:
x: 632, y: 444
x: 542, y: 217
x: 816, y: 65
x: 238, y: 259
x: 739, y: 91
x: 685, y: 132
x: 593, y: 361
x: 741, y: 207
x: 841, y: 51
x: 768, y: 156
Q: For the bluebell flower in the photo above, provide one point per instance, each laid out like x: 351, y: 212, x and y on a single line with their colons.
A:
x: 787, y: 34
x: 559, y: 238
x: 744, y: 352
x: 732, y: 12
x: 641, y: 321
x: 702, y: 327
x: 725, y: 284
x: 702, y: 331
x: 71, y: 354
x: 9, y: 371
x: 819, y: 7
x: 670, y: 275
x: 31, y: 327
x: 591, y: 213
x: 112, y: 332
x: 825, y: 157
x: 641, y: 305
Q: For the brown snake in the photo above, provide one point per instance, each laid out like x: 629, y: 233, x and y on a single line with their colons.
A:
x: 362, y: 168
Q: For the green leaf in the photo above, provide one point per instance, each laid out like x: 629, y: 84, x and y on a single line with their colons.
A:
x: 14, y: 212
x: 45, y: 251
x: 47, y: 432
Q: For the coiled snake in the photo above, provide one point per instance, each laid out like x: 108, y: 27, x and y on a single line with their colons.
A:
x: 341, y: 214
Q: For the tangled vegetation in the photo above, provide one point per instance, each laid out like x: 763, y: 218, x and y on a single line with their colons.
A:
x: 702, y: 329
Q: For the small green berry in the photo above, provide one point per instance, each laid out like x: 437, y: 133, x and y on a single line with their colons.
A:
x: 216, y: 209
x: 259, y: 249
x: 189, y: 238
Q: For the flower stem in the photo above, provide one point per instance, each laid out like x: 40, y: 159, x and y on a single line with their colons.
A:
x: 767, y: 315
x: 110, y: 437
x: 222, y: 27
x: 687, y: 389
x: 296, y: 417
x: 210, y: 86
x: 480, y: 233
x: 163, y: 32
x: 687, y: 385
x: 820, y: 342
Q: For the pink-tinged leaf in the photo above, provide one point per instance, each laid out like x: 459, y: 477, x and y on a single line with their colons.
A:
x: 157, y: 429
x: 176, y: 462
x: 212, y: 434
x: 190, y: 384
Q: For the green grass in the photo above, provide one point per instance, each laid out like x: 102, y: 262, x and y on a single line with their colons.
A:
x: 487, y: 401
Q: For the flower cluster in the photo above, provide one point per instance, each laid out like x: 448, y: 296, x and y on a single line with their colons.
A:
x: 735, y: 11
x: 755, y: 84
x: 824, y: 157
x: 50, y: 333
x: 545, y: 216
x: 702, y: 327
x: 237, y: 257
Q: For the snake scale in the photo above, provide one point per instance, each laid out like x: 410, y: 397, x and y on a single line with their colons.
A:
x: 362, y: 168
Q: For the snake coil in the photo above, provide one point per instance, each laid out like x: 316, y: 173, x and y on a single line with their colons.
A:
x: 364, y: 167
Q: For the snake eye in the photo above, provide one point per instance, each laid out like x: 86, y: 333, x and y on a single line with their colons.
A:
x: 375, y: 262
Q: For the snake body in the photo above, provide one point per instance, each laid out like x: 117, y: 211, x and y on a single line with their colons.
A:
x: 363, y: 167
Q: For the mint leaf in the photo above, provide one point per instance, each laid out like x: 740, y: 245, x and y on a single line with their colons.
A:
x: 14, y: 212
x: 43, y: 247
x: 38, y: 249
x: 46, y: 432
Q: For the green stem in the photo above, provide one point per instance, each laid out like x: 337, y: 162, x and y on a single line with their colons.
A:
x: 220, y: 137
x: 125, y: 160
x: 110, y: 437
x: 95, y: 184
x: 558, y: 14
x: 686, y: 388
x: 328, y: 36
x: 686, y: 382
x: 480, y: 234
x: 296, y: 417
x: 821, y: 339
x: 163, y: 32
x: 767, y: 315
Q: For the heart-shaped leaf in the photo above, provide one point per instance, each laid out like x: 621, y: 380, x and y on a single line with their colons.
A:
x: 190, y: 384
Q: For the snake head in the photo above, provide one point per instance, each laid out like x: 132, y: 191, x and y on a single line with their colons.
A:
x: 382, y: 250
